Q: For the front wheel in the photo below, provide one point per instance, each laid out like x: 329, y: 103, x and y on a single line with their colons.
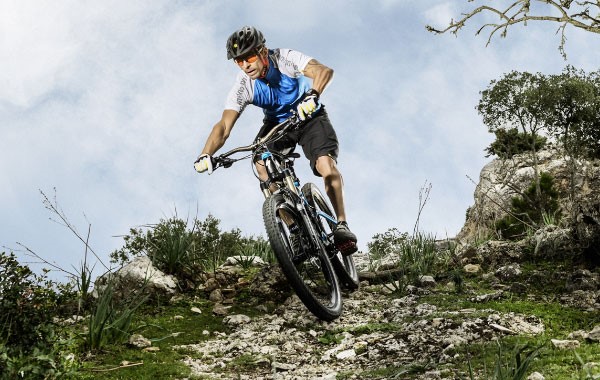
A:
x: 343, y: 265
x: 303, y: 260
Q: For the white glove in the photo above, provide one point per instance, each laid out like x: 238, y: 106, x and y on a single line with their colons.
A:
x: 308, y: 105
x: 204, y: 163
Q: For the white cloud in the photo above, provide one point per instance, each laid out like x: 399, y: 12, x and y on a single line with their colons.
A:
x: 33, y: 48
x: 440, y: 15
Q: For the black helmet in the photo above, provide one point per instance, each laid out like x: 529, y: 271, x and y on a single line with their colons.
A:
x: 244, y: 41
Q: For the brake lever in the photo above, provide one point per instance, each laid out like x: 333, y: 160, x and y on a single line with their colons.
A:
x: 224, y: 162
x: 227, y: 162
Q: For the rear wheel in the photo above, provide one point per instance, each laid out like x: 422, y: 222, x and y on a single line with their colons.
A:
x: 343, y: 265
x: 304, y: 262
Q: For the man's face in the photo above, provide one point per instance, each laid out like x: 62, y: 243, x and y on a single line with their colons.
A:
x: 252, y: 64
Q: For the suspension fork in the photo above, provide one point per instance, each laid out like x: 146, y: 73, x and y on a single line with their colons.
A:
x: 285, y: 175
x: 276, y: 174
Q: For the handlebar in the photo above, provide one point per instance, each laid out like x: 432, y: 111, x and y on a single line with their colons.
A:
x: 276, y: 132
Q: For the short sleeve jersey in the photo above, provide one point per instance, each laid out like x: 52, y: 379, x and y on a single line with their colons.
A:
x: 276, y: 93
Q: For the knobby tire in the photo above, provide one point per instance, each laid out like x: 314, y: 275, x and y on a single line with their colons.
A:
x: 313, y: 278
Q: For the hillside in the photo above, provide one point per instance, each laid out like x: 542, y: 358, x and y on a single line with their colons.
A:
x: 475, y: 307
x: 249, y: 326
x: 488, y: 304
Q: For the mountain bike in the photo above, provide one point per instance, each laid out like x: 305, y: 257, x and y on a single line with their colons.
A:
x: 299, y: 222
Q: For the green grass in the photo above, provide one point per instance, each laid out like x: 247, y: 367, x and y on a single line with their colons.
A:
x: 165, y: 364
x: 554, y: 364
x: 164, y: 327
x: 490, y: 360
x: 559, y: 320
x: 392, y: 372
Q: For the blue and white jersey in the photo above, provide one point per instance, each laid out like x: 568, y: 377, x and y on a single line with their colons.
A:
x: 278, y: 91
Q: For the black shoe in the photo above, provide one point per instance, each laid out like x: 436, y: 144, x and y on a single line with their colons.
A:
x: 299, y: 254
x: 295, y: 243
x: 295, y: 238
x: 344, y: 239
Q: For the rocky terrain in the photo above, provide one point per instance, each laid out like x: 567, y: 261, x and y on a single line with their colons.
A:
x: 422, y: 334
x: 492, y: 290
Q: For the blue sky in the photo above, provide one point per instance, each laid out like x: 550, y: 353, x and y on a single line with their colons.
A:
x: 110, y: 102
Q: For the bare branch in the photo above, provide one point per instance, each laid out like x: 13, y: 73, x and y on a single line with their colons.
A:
x: 423, y: 198
x: 575, y: 13
x: 53, y: 207
x: 52, y: 264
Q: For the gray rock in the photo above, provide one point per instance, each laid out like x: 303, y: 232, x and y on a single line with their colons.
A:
x: 137, y: 340
x: 137, y: 277
x: 594, y: 334
x: 508, y: 272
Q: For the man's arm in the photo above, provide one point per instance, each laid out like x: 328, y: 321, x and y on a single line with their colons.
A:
x: 319, y: 73
x: 220, y: 132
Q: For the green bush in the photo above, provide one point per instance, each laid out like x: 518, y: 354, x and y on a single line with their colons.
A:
x: 181, y: 249
x: 531, y: 210
x: 29, y: 341
x: 510, y: 142
x: 386, y: 243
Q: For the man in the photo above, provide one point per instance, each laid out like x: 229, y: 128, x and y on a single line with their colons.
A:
x: 276, y: 80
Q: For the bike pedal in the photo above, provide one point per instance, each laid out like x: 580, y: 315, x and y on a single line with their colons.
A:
x: 347, y: 248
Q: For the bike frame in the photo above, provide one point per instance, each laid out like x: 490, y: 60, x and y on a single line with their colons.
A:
x: 281, y: 173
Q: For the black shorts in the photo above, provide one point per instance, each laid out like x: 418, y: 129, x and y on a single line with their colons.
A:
x: 316, y: 137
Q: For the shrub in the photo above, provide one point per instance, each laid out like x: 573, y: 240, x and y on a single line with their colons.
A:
x: 386, y: 243
x: 510, y: 142
x: 182, y: 250
x: 532, y: 209
x: 28, y: 303
x: 29, y: 343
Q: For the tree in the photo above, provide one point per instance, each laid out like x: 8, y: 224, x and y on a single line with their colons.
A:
x: 582, y: 14
x: 518, y: 100
x: 575, y: 118
x: 564, y: 107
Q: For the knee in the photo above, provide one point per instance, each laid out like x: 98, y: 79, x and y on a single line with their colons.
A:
x: 327, y: 168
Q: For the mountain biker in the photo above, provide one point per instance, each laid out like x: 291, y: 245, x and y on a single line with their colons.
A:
x: 276, y: 80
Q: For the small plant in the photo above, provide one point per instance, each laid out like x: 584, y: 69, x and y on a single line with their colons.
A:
x: 416, y: 256
x: 537, y: 206
x: 262, y: 248
x: 517, y: 370
x: 110, y: 321
x: 172, y: 245
x: 245, y: 260
x: 506, y: 369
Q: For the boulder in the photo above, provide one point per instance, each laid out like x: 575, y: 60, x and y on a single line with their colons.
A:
x: 136, y: 278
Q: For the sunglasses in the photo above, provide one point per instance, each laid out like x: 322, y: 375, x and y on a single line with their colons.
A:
x: 250, y: 59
